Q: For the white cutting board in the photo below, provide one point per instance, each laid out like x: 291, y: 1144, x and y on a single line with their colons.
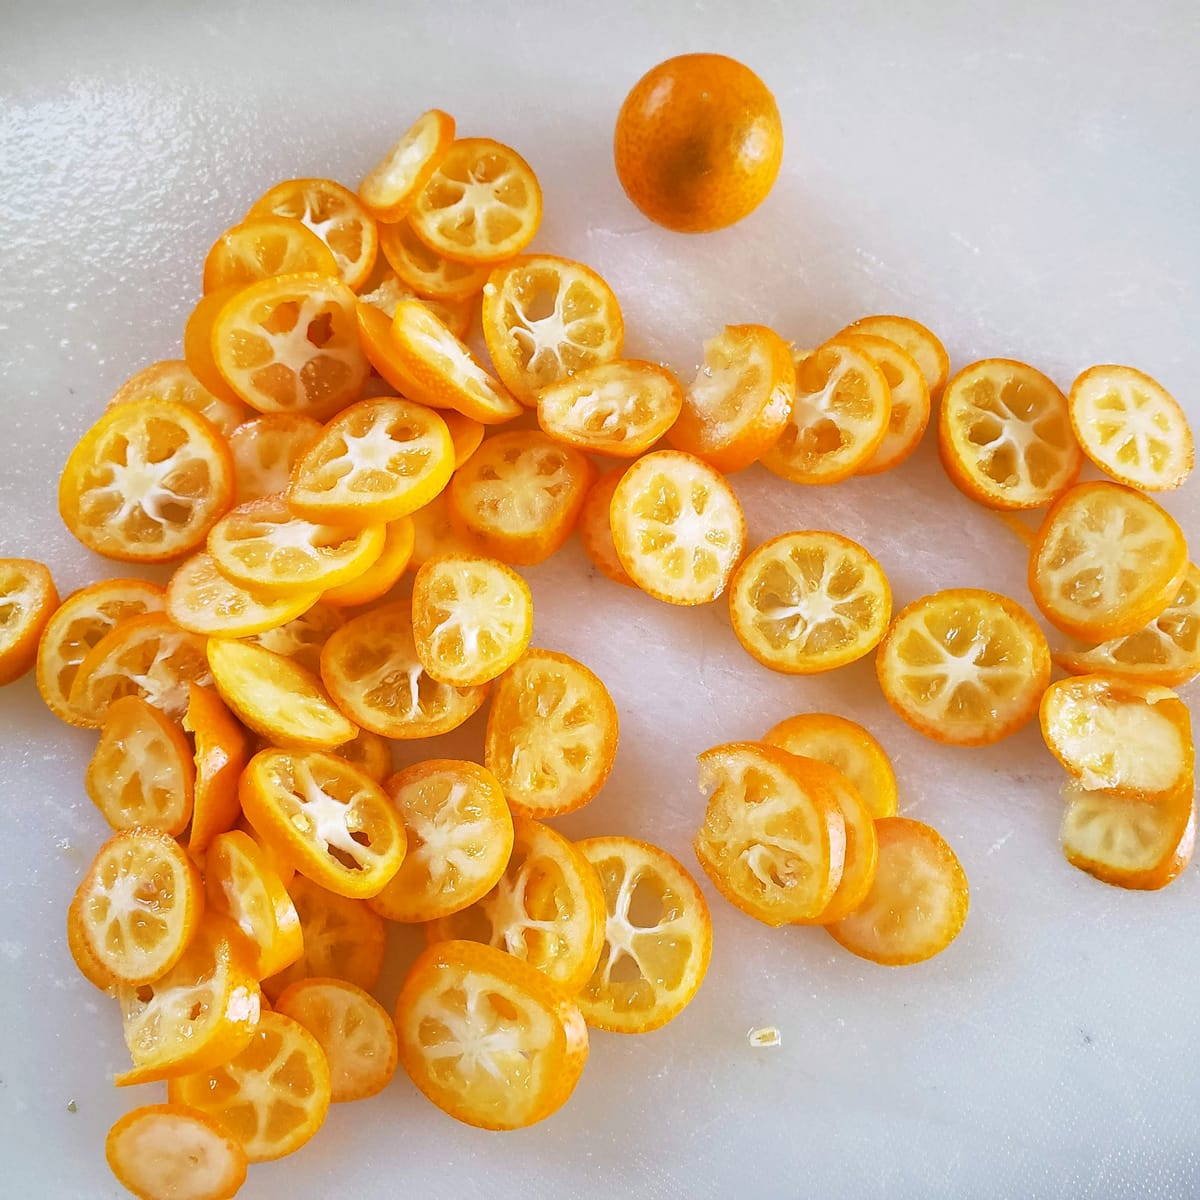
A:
x: 1023, y: 178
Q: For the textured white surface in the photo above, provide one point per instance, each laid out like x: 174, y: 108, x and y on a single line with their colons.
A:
x: 1023, y: 177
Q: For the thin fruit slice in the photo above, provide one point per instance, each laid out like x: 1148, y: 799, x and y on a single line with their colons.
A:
x: 343, y: 939
x: 428, y: 273
x: 910, y: 401
x: 547, y: 908
x: 657, y: 937
x: 482, y: 205
x: 388, y: 291
x: 28, y: 599
x: 303, y: 638
x: 1106, y: 560
x: 460, y: 834
x: 371, y: 669
x: 389, y: 189
x: 198, y: 345
x: 839, y: 418
x: 262, y: 247
x: 377, y: 461
x: 265, y: 451
x: 84, y: 957
x: 77, y: 625
x: 201, y: 600
x: 595, y: 528
x: 551, y: 734
x: 147, y: 656
x: 273, y: 1096
x: 546, y: 318
x: 808, y: 602
x: 353, y: 1029
x: 146, y: 483
x: 200, y: 1013
x: 466, y: 434
x: 1005, y: 436
x: 739, y: 403
x: 290, y: 344
x: 173, y: 380
x: 1131, y: 739
x: 325, y: 816
x: 140, y: 904
x: 472, y: 618
x: 861, y: 853
x: 1132, y: 428
x: 435, y: 533
x: 440, y: 369
x: 914, y: 339
x: 221, y: 753
x: 1165, y: 650
x: 1128, y: 843
x: 964, y: 666
x: 486, y: 1038
x: 848, y: 747
x: 241, y: 883
x: 370, y: 753
x: 163, y: 1151
x: 616, y: 408
x: 521, y: 493
x: 773, y: 840
x: 918, y: 901
x: 678, y: 527
x: 277, y: 697
x: 335, y: 215
x: 141, y: 773
x: 268, y: 549
x: 381, y: 576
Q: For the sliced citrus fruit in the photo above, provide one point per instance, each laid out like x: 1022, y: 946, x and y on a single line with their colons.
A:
x: 521, y: 493
x: 173, y: 380
x: 28, y: 599
x: 839, y: 418
x: 964, y: 666
x: 482, y: 204
x: 740, y: 400
x: 465, y: 432
x: 82, y: 953
x: 171, y: 1150
x: 808, y: 602
x: 371, y: 668
x: 146, y: 483
x: 272, y: 1096
x: 387, y: 291
x: 221, y: 753
x: 201, y: 600
x: 1131, y: 427
x: 77, y: 625
x: 428, y: 273
x: 845, y: 745
x: 460, y: 834
x: 910, y: 401
x: 141, y: 773
x: 353, y: 1029
x: 335, y: 215
x: 918, y: 900
x: 616, y: 408
x: 914, y: 339
x: 381, y: 576
x: 147, y: 656
x: 1005, y: 436
x: 657, y: 937
x: 303, y: 638
x: 435, y: 533
x: 325, y: 816
x: 1165, y: 650
x: 677, y: 526
x: 266, y: 548
x: 265, y: 451
x: 276, y: 696
x: 377, y: 461
x: 389, y: 189
x: 546, y: 318
x: 547, y: 908
x: 773, y: 840
x: 1106, y: 560
x: 472, y: 618
x: 551, y: 734
x: 487, y: 1038
x: 595, y: 528
x: 1131, y: 739
x: 262, y: 247
x: 370, y: 753
x: 198, y: 345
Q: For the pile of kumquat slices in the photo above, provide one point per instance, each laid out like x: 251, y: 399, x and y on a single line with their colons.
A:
x: 330, y: 430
